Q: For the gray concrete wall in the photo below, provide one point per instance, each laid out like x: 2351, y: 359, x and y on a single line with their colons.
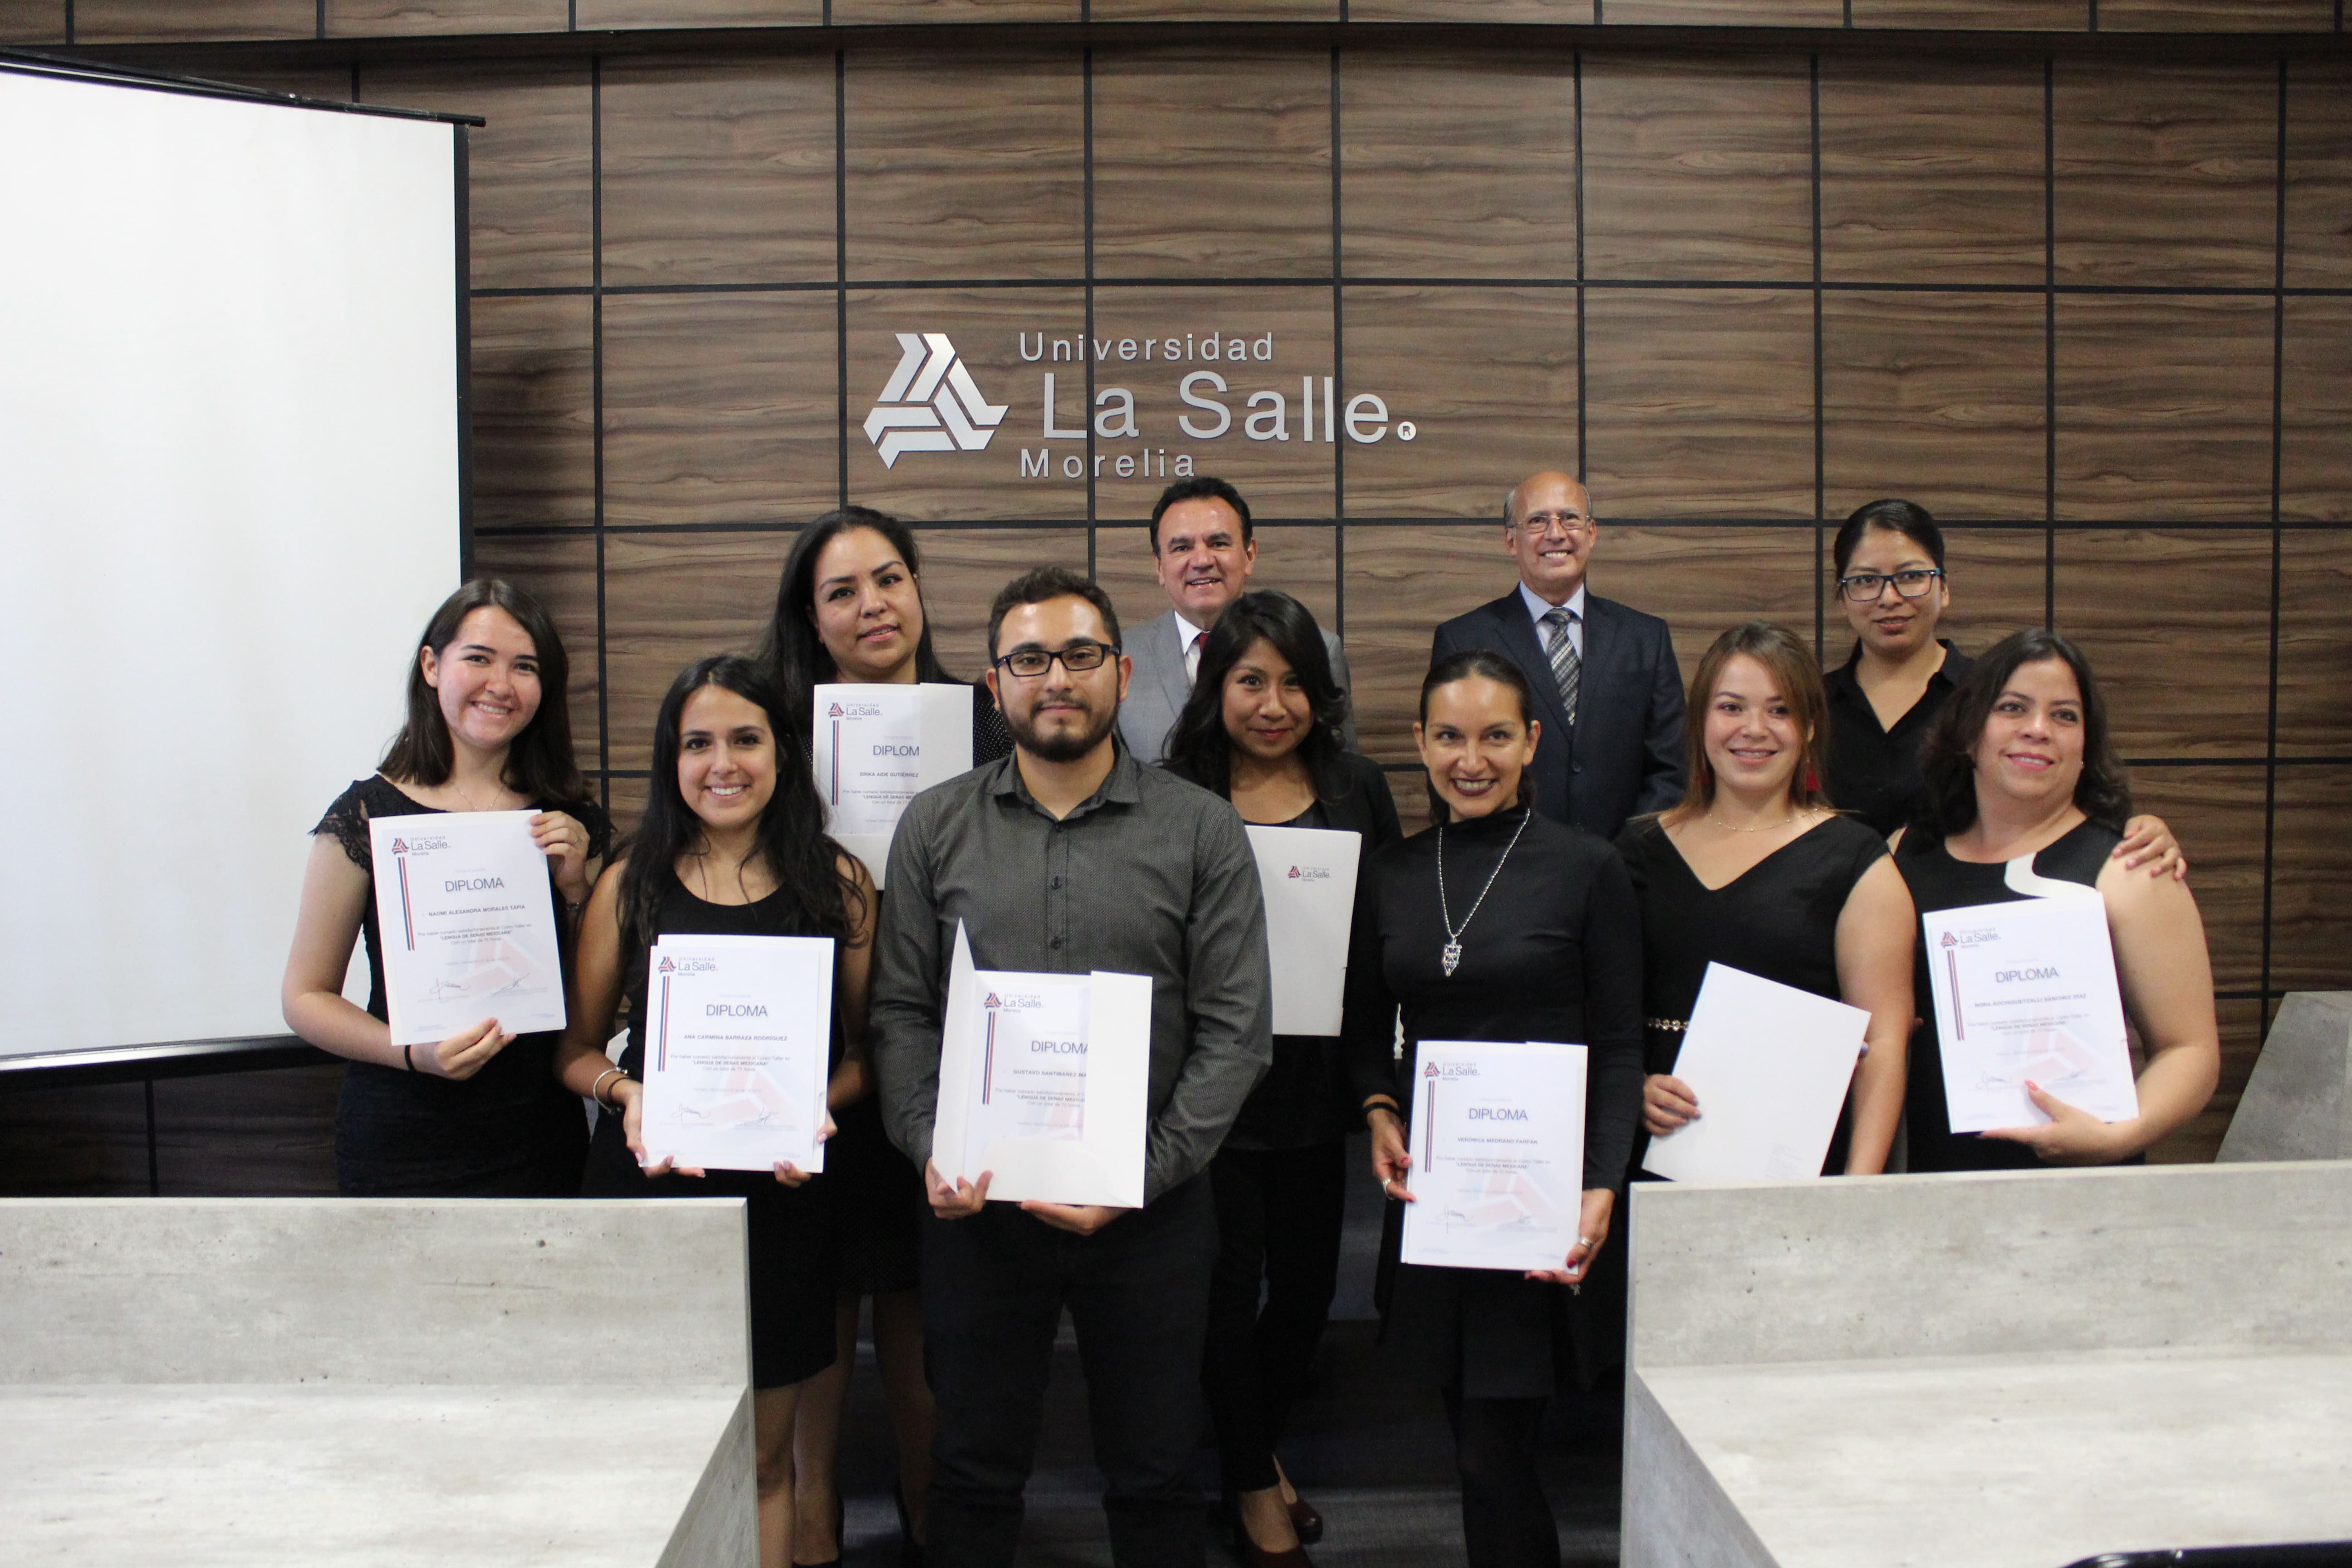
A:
x: 2244, y: 1257
x: 380, y: 1290
x: 1676, y: 1516
x: 2295, y: 1105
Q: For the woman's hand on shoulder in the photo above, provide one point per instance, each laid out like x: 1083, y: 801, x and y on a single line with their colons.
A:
x: 2149, y: 842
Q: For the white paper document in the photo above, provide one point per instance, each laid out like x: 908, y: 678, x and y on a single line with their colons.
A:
x: 2028, y: 990
x: 1497, y: 1144
x: 877, y: 747
x: 1769, y: 1064
x: 739, y: 1045
x: 1045, y: 1080
x: 467, y: 924
x: 1310, y: 878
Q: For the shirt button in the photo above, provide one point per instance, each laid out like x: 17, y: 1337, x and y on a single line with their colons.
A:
x: 1057, y: 881
x: 1058, y: 941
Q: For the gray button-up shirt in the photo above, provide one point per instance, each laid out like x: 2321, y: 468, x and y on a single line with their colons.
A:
x: 1150, y: 876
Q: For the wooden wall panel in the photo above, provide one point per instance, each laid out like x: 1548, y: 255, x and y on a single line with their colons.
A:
x: 1697, y: 168
x: 718, y: 408
x: 1936, y: 397
x: 32, y: 21
x: 2217, y: 16
x: 912, y: 12
x: 1565, y: 13
x: 2319, y: 174
x: 1458, y: 164
x: 177, y: 21
x: 437, y: 19
x: 1705, y: 581
x: 281, y: 1123
x: 1492, y: 380
x: 2217, y: 815
x: 2311, y: 923
x: 718, y: 175
x: 1214, y: 11
x: 1946, y: 188
x: 986, y: 326
x: 2164, y: 408
x: 2177, y: 624
x: 2315, y: 643
x: 1212, y: 164
x: 1300, y: 559
x: 1998, y: 579
x: 963, y: 569
x: 1699, y: 403
x: 597, y: 14
x: 2315, y: 410
x: 87, y: 1140
x: 1400, y: 584
x: 534, y: 414
x: 334, y: 83
x: 672, y: 599
x: 1726, y: 13
x: 964, y: 168
x: 560, y: 571
x: 532, y: 204
x: 2063, y: 16
x: 625, y: 800
x: 2165, y: 176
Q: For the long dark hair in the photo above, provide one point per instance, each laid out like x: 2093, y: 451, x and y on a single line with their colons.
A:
x: 1947, y: 804
x: 1789, y: 660
x: 804, y: 860
x: 540, y: 764
x: 1199, y: 748
x: 791, y: 652
x: 1498, y: 669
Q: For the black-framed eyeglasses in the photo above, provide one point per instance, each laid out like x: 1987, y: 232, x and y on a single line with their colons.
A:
x: 1029, y: 663
x: 1912, y: 583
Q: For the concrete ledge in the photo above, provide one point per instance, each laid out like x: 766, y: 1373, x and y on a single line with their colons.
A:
x: 2296, y: 1106
x: 326, y: 1381
x: 2002, y: 1371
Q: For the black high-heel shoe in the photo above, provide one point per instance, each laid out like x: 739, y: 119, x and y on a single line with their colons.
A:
x: 910, y: 1551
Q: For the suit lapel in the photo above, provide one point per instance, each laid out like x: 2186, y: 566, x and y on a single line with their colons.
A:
x: 1173, y: 684
x: 1519, y: 639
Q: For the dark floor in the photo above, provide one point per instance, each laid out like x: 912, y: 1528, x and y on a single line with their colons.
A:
x: 1369, y: 1451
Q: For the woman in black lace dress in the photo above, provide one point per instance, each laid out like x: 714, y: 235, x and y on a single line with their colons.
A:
x: 477, y: 1114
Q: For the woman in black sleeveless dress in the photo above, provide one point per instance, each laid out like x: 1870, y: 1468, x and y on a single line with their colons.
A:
x: 730, y: 845
x: 489, y: 729
x: 849, y: 609
x: 1261, y: 728
x: 2022, y: 793
x: 1543, y: 938
x: 1754, y: 870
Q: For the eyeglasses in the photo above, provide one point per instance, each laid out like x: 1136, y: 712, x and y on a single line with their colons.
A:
x: 1029, y: 663
x: 1542, y: 522
x: 1865, y: 586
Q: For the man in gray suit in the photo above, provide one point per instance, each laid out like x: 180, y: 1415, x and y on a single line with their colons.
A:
x: 1202, y: 552
x: 1606, y: 684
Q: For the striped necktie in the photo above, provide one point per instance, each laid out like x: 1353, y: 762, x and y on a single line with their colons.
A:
x: 1567, y: 669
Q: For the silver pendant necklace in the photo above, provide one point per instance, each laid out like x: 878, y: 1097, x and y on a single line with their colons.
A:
x: 1451, y: 956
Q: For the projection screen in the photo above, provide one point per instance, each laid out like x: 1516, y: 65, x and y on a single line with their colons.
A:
x: 231, y: 463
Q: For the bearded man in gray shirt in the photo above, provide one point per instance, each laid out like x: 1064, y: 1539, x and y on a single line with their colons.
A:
x: 1069, y: 856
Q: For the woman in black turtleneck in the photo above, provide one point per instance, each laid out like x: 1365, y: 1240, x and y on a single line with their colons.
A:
x: 1549, y: 938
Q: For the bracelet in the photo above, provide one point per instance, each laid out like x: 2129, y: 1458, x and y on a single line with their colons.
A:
x: 1382, y: 1104
x: 408, y: 1055
x: 596, y: 1089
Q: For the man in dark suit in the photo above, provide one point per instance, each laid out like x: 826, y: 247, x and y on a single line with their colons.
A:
x: 1607, y: 689
x: 1202, y: 552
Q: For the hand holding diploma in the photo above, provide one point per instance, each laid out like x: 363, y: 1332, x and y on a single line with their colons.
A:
x: 1499, y: 1139
x: 565, y: 842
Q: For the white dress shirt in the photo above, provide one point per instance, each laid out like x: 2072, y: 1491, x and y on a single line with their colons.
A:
x: 1188, y: 635
x: 1538, y: 607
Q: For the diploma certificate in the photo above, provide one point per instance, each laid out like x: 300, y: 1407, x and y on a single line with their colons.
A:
x: 739, y: 1045
x: 1045, y: 1083
x: 2028, y: 990
x: 1498, y: 1142
x: 877, y: 747
x: 466, y: 919
x: 1310, y: 878
x: 1769, y: 1064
